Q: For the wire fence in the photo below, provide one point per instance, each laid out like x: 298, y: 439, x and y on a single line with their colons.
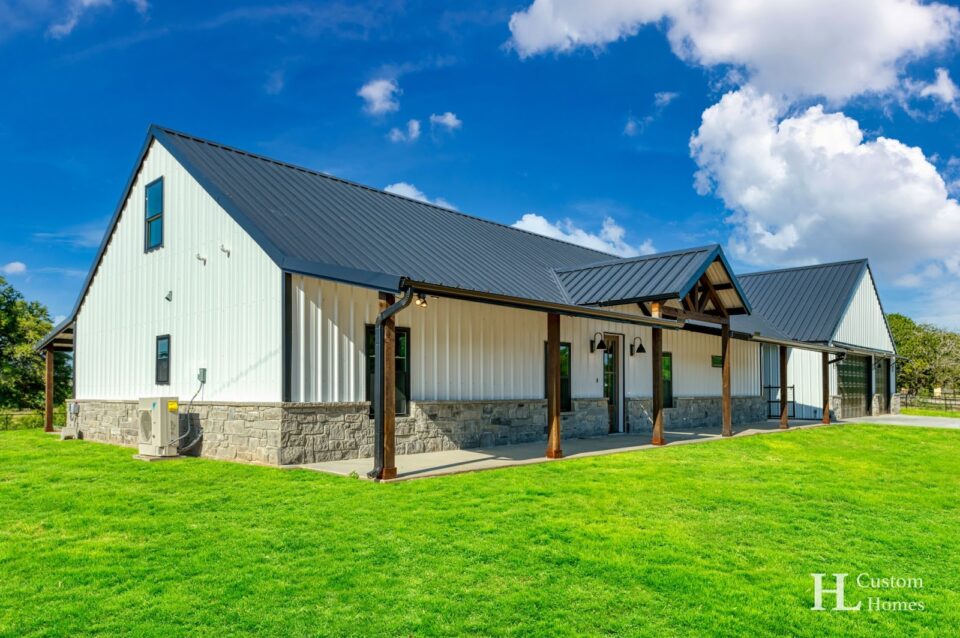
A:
x: 30, y: 419
x: 949, y: 402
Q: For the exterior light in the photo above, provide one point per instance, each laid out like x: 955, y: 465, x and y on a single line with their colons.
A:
x: 421, y: 300
x: 637, y: 347
x: 597, y: 344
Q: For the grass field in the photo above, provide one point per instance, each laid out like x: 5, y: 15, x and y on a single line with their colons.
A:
x: 953, y: 414
x: 717, y: 539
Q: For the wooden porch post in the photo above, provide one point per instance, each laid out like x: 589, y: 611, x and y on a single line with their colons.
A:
x: 48, y: 391
x: 553, y: 386
x: 784, y: 414
x: 389, y: 391
x: 725, y: 353
x: 657, y: 362
x: 826, y: 387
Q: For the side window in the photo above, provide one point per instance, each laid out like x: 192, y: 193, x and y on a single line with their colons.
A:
x: 153, y: 224
x: 566, y: 396
x: 163, y: 360
x: 402, y: 369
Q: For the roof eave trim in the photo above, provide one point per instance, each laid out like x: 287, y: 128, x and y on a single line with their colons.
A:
x: 363, y: 278
x: 111, y: 227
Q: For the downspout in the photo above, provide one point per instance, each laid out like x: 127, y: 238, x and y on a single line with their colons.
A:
x: 378, y: 393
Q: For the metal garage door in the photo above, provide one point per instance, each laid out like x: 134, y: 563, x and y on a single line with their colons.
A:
x: 883, y: 384
x: 853, y: 375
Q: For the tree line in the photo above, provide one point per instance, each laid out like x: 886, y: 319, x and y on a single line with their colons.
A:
x: 931, y: 356
x: 22, y: 370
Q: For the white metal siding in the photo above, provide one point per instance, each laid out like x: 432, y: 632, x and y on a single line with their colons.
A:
x: 224, y: 316
x: 863, y: 324
x: 466, y: 351
x: 805, y: 373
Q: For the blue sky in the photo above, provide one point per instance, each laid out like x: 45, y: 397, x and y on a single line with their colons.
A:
x: 573, y: 123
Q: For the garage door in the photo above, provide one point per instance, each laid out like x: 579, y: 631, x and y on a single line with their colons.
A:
x: 853, y: 375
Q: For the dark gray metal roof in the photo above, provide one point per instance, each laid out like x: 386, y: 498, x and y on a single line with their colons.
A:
x: 756, y: 325
x: 806, y: 303
x: 660, y: 276
x: 320, y: 225
x: 639, y: 278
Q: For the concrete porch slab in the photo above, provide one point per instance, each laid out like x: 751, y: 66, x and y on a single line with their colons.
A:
x: 411, y: 466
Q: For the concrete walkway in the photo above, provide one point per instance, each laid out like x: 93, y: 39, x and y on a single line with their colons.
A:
x: 908, y: 419
x: 410, y: 466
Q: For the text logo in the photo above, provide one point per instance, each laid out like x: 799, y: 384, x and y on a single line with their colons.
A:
x: 819, y: 591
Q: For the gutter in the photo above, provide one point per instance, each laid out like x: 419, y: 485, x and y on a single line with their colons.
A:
x: 378, y: 395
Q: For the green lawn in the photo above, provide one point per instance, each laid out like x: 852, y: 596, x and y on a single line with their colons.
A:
x: 699, y: 540
x: 953, y: 414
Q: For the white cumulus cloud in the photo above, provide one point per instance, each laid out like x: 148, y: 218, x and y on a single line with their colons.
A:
x: 409, y: 135
x: 447, y: 120
x: 380, y: 96
x: 610, y: 239
x: 409, y: 190
x: 942, y: 88
x: 810, y: 187
x: 14, y: 268
x: 790, y: 48
x: 76, y: 9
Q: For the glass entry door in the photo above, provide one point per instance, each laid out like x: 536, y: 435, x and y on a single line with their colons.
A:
x: 612, y: 382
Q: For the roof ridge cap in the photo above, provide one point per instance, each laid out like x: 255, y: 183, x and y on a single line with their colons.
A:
x: 380, y: 191
x: 862, y: 260
x: 636, y: 258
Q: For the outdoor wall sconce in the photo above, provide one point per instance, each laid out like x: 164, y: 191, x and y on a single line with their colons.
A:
x: 421, y: 300
x: 597, y: 344
x: 637, y: 348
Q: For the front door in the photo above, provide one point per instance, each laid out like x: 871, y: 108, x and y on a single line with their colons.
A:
x: 612, y: 387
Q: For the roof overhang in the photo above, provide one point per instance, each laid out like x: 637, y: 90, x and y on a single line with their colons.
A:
x: 541, y: 306
x: 59, y: 339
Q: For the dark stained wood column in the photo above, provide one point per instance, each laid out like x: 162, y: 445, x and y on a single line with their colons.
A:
x: 784, y: 413
x: 727, y: 362
x: 826, y: 387
x: 553, y: 386
x: 389, y: 391
x: 48, y: 392
x: 657, y: 363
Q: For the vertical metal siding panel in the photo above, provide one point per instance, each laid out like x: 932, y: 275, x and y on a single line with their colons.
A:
x: 863, y: 324
x: 223, y: 316
x: 804, y: 374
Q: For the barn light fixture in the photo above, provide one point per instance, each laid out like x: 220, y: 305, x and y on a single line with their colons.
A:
x: 637, y: 347
x: 421, y: 300
x: 597, y: 344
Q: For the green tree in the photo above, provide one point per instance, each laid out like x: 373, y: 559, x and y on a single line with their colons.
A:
x: 931, y: 355
x: 22, y: 324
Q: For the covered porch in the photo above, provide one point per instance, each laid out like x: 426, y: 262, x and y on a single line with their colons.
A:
x: 414, y: 466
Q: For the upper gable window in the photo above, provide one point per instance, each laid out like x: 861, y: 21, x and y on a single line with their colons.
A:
x: 153, y: 205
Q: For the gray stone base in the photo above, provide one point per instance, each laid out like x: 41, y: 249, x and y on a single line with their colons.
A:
x: 695, y: 412
x: 316, y: 432
x: 293, y: 433
x: 231, y: 431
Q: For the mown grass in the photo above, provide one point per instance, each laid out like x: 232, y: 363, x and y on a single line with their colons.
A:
x: 717, y: 539
x: 953, y: 414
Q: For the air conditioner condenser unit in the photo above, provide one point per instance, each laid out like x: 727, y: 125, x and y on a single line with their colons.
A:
x: 159, y: 426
